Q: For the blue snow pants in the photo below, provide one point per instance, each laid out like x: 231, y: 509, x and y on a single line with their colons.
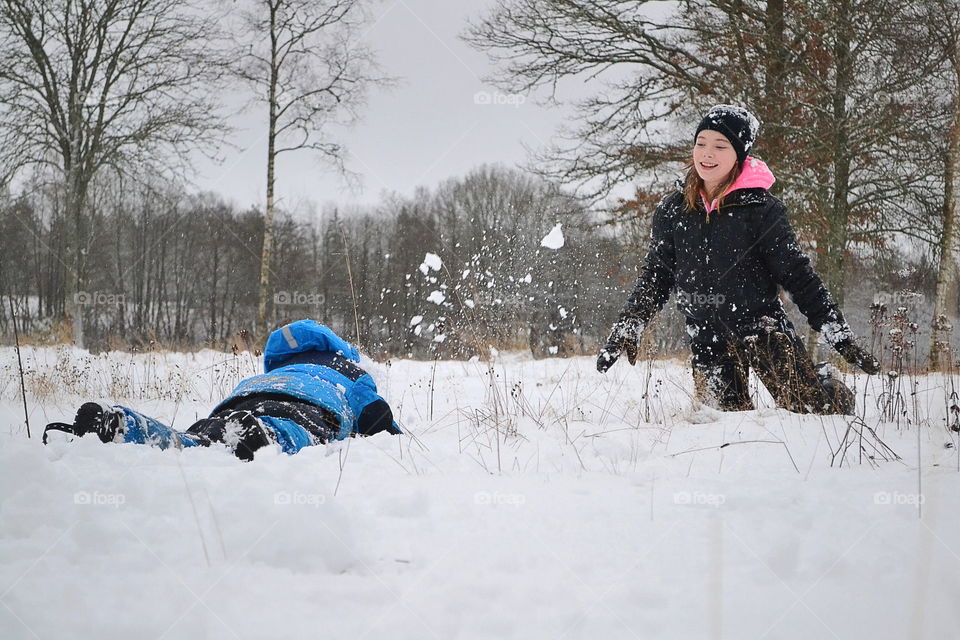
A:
x: 293, y: 425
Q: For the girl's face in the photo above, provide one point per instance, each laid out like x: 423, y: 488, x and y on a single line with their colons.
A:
x: 713, y: 157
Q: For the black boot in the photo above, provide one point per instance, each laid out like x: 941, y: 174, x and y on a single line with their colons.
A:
x: 245, y: 434
x: 92, y: 417
x: 106, y: 422
x: 208, y: 430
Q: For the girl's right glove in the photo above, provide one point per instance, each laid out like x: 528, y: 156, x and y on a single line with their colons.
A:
x: 625, y: 336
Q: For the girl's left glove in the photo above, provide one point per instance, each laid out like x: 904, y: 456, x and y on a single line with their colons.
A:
x: 840, y: 336
x: 857, y: 355
x: 624, y: 337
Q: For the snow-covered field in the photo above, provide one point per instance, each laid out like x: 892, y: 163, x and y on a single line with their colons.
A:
x: 528, y: 499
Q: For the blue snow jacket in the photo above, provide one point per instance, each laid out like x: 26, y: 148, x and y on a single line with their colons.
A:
x: 308, y: 361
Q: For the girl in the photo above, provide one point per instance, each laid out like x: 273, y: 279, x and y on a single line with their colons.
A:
x: 725, y: 245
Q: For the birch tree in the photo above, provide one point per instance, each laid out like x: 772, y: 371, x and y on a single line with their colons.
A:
x: 948, y: 40
x: 307, y: 64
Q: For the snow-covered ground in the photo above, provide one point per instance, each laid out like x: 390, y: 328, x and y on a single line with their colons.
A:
x: 528, y: 499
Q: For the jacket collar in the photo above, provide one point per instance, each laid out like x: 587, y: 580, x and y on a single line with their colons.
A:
x: 754, y: 179
x: 750, y: 187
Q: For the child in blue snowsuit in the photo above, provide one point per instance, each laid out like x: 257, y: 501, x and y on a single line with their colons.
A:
x: 312, y: 391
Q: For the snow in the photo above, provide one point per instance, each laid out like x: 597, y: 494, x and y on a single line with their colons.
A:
x: 833, y: 332
x: 415, y: 320
x: 554, y: 239
x: 436, y: 297
x: 527, y: 499
x: 431, y: 261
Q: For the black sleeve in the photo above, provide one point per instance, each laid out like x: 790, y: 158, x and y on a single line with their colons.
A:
x: 792, y: 270
x: 656, y: 280
x: 376, y: 417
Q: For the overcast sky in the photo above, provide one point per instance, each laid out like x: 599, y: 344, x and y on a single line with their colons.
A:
x: 425, y: 130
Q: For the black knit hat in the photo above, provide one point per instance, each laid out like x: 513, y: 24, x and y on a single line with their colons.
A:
x: 736, y: 123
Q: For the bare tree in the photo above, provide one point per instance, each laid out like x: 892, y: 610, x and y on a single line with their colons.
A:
x: 88, y: 85
x: 305, y: 61
x: 831, y: 79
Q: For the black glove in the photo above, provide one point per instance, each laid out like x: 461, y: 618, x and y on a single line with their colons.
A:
x: 625, y: 336
x: 857, y: 355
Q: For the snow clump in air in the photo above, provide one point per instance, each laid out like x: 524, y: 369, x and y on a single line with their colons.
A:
x: 554, y: 239
x: 430, y: 261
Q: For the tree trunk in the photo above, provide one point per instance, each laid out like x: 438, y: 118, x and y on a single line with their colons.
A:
x: 773, y: 91
x: 776, y: 49
x: 946, y: 273
x: 271, y: 161
x: 74, y: 298
x: 833, y: 264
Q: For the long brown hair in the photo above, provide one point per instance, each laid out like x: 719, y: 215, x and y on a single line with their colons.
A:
x: 694, y: 184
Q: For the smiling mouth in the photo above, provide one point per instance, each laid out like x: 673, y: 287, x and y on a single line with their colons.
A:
x: 708, y: 166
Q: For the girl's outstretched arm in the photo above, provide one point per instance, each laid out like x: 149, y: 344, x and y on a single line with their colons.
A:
x: 656, y: 280
x: 792, y: 270
x: 650, y: 292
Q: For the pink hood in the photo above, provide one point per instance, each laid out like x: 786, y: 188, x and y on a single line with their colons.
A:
x: 755, y: 174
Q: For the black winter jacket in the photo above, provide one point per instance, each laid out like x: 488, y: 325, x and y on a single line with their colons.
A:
x: 726, y: 267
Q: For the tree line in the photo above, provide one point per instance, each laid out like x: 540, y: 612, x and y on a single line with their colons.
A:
x: 450, y: 271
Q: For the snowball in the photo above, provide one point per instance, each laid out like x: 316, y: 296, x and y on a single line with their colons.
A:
x: 469, y: 303
x: 528, y: 279
x: 415, y: 320
x: 430, y: 261
x: 436, y: 297
x: 554, y: 239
